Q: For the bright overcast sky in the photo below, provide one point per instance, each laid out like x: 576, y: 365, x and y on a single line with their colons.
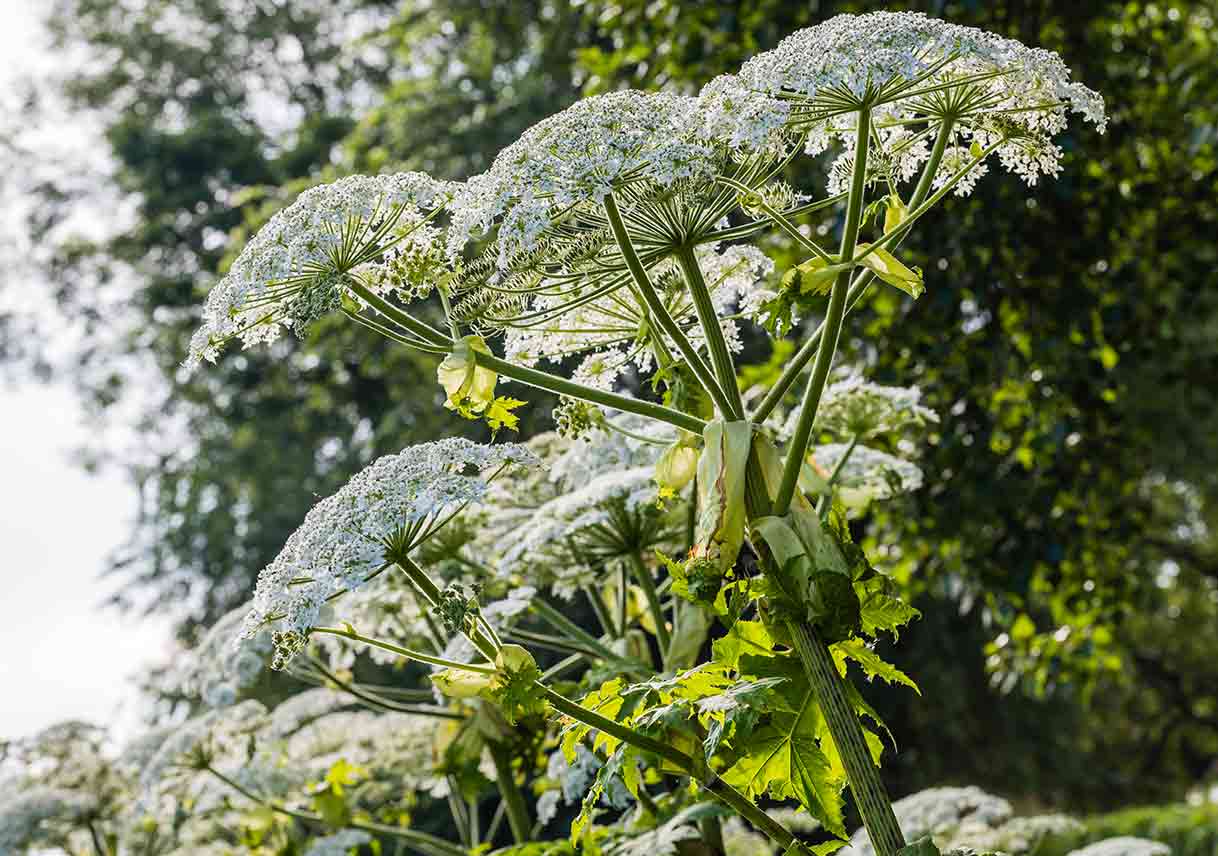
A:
x: 61, y: 656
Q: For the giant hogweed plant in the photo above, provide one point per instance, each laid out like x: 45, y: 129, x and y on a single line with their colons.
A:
x: 618, y: 244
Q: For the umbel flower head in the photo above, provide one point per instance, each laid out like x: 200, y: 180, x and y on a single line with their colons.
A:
x: 914, y: 71
x: 580, y: 155
x: 296, y: 268
x: 383, y: 512
x: 867, y: 474
x: 858, y: 408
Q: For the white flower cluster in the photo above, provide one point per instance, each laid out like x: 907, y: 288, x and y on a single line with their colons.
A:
x: 344, y: 539
x: 1125, y: 845
x: 581, y: 155
x: 610, y: 325
x: 741, y: 117
x: 290, y: 273
x: 24, y: 812
x: 1016, y: 836
x: 908, y: 65
x: 564, y: 541
x: 217, y: 672
x: 868, y: 473
x: 855, y: 407
x: 934, y: 812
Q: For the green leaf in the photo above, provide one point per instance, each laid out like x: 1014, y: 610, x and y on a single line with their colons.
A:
x: 874, y: 665
x: 885, y: 266
x: 879, y: 610
x: 745, y: 637
x: 500, y: 415
x: 815, y: 276
x: 607, y: 701
x: 785, y: 760
x: 924, y: 846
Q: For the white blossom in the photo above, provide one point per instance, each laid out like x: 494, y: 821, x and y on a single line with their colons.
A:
x: 345, y: 539
x: 293, y: 270
x: 854, y: 407
x: 868, y: 473
x: 906, y: 66
x: 580, y: 155
x: 24, y: 811
x: 562, y: 542
x: 935, y: 811
x: 1125, y: 845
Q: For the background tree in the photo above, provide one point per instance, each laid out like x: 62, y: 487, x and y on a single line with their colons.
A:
x: 1065, y: 559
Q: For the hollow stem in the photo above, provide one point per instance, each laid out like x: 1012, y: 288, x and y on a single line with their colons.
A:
x: 484, y: 668
x: 648, y: 584
x: 834, y: 316
x: 721, y: 357
x: 509, y: 792
x: 870, y: 795
x: 659, y: 311
x: 858, y: 287
x: 531, y: 377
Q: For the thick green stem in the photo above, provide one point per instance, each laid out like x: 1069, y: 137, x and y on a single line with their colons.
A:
x: 659, y: 311
x: 721, y: 357
x: 857, y: 288
x: 712, y: 833
x: 863, y: 774
x: 648, y: 584
x: 834, y: 316
x: 528, y: 376
x: 509, y: 792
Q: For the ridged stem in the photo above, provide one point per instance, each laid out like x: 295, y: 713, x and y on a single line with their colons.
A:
x: 834, y: 316
x: 659, y: 311
x: 509, y: 792
x: 721, y: 357
x: 870, y: 795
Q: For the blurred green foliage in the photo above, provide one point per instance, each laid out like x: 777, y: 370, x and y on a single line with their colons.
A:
x: 1064, y: 551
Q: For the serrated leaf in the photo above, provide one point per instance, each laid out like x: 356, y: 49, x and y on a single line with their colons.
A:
x: 607, y: 701
x: 874, y: 666
x: 785, y: 759
x: 881, y: 611
x: 745, y: 637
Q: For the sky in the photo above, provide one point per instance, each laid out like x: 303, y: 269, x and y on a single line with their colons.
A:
x: 62, y: 656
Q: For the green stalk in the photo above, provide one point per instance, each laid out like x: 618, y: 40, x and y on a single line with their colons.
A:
x: 857, y: 288
x: 712, y: 833
x: 562, y: 624
x: 659, y: 311
x: 721, y: 358
x: 528, y: 376
x: 486, y: 669
x: 509, y: 793
x: 648, y: 584
x: 865, y: 783
x: 834, y: 316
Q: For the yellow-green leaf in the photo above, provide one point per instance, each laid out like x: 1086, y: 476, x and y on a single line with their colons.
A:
x: 886, y: 266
